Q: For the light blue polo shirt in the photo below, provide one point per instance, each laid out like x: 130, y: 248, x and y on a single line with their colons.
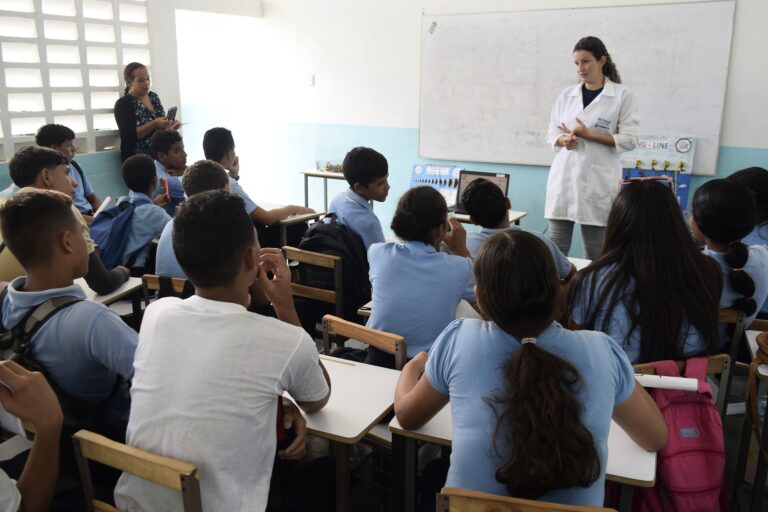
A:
x: 758, y: 236
x: 618, y: 325
x: 355, y: 212
x: 147, y: 224
x: 477, y: 238
x: 10, y: 191
x: 757, y: 268
x: 466, y: 363
x: 83, y: 347
x: 82, y: 189
x: 166, y: 264
x: 236, y: 188
x: 174, y: 187
x: 416, y: 290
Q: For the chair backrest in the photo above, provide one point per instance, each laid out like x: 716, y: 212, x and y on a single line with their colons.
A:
x: 171, y: 473
x: 462, y: 500
x: 166, y: 285
x: 735, y: 319
x: 388, y: 342
x: 328, y: 261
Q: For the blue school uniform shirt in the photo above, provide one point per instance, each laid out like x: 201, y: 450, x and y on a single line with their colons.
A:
x: 355, y: 212
x: 236, y: 188
x: 166, y: 264
x: 147, y: 224
x: 82, y: 189
x: 470, y: 348
x: 416, y: 290
x: 617, y: 326
x: 759, y: 236
x: 9, y: 192
x: 83, y: 347
x: 757, y: 268
x: 477, y: 238
x: 176, y: 190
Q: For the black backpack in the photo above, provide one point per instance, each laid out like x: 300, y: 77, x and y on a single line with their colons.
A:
x: 338, y: 240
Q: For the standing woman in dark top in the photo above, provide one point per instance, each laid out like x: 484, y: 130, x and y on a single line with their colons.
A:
x: 139, y: 112
x: 591, y: 123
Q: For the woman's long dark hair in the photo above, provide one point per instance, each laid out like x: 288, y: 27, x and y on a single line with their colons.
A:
x: 549, y: 447
x: 419, y: 211
x: 596, y: 47
x: 651, y: 266
x: 725, y: 212
x: 128, y: 74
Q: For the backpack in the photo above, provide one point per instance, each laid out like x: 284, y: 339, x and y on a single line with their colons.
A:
x: 109, y: 230
x: 337, y: 239
x: 690, y: 469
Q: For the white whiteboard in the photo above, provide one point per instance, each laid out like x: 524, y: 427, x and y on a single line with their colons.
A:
x: 488, y: 81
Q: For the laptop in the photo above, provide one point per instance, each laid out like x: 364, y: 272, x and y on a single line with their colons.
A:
x: 467, y: 177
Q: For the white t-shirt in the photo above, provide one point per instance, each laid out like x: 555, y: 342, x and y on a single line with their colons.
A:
x: 207, y: 377
x: 10, y: 497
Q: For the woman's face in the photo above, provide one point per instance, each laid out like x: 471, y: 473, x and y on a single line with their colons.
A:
x: 589, y: 68
x: 139, y: 83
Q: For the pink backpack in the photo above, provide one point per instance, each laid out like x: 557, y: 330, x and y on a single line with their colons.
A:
x: 690, y: 469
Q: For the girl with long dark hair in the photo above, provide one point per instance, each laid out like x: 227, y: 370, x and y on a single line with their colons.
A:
x: 652, y: 290
x: 531, y: 401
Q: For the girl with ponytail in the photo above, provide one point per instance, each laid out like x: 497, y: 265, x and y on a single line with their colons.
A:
x: 416, y: 288
x: 531, y: 401
x: 724, y: 212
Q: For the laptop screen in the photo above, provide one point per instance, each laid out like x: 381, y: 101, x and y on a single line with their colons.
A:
x: 467, y: 177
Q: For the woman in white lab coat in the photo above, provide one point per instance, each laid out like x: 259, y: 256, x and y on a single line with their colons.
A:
x: 590, y: 125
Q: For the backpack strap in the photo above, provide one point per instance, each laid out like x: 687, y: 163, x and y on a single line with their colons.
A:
x: 79, y: 171
x: 35, y: 319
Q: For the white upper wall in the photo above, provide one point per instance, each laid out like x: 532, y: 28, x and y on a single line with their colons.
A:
x: 357, y: 61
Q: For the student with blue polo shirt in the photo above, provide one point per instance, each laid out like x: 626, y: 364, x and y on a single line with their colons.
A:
x: 724, y: 212
x: 85, y: 348
x: 62, y: 139
x: 366, y: 170
x: 148, y: 220
x: 201, y: 176
x: 416, y: 289
x: 487, y: 206
x: 170, y: 162
x: 651, y: 289
x: 546, y: 393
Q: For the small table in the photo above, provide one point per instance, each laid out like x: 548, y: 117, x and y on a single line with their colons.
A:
x: 514, y: 217
x: 361, y: 396
x: 325, y: 175
x: 628, y: 464
x: 295, y: 219
x: 131, y: 288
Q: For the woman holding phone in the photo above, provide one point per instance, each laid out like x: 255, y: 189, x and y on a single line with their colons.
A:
x: 139, y: 113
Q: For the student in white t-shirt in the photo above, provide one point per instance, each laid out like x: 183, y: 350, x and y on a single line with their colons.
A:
x: 209, y: 374
x: 29, y: 397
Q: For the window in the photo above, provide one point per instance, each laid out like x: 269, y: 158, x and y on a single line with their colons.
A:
x: 61, y: 61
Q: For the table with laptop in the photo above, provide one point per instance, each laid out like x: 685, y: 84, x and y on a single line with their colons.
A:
x: 501, y: 180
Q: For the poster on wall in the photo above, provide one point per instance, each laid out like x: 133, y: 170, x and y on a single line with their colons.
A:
x: 660, y: 157
x: 443, y: 178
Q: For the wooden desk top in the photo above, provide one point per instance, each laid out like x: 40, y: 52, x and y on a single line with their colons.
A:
x: 133, y: 284
x: 514, y: 216
x: 627, y: 462
x: 361, y: 396
x: 323, y: 174
x: 301, y: 217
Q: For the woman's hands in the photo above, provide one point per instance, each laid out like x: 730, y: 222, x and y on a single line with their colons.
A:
x: 163, y: 123
x: 580, y: 131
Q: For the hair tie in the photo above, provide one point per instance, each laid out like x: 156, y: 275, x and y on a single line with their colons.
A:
x: 528, y: 340
x: 738, y: 269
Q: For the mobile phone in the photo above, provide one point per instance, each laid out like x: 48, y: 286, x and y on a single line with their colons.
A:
x: 171, y: 116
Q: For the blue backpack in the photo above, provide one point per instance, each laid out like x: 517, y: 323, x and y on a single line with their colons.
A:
x: 110, y: 231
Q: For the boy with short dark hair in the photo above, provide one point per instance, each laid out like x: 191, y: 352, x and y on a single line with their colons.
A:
x: 487, y: 206
x: 170, y: 162
x: 148, y: 219
x: 219, y: 146
x: 366, y: 171
x: 62, y: 139
x: 36, y: 167
x: 85, y: 348
x: 236, y: 391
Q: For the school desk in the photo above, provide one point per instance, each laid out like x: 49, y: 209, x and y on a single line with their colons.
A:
x: 361, y: 396
x: 737, y: 496
x: 129, y: 289
x: 628, y: 464
x: 514, y: 217
x: 325, y: 176
x: 290, y: 220
x: 579, y: 263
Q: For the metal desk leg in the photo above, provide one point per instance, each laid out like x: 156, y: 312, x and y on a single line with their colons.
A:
x: 341, y: 453
x: 759, y: 487
x: 136, y: 306
x: 283, y: 235
x: 306, y: 191
x: 741, y: 465
x: 625, y: 498
x: 404, y: 462
x: 325, y: 194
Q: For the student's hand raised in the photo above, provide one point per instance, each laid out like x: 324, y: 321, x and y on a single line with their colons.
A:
x: 278, y: 288
x: 293, y: 420
x: 28, y: 396
x: 234, y: 168
x: 456, y: 239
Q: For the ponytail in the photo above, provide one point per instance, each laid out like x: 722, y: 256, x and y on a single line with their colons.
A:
x: 550, y: 448
x: 741, y: 282
x: 610, y: 71
x: 419, y: 211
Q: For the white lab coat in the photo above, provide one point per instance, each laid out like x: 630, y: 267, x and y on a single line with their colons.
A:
x: 583, y: 182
